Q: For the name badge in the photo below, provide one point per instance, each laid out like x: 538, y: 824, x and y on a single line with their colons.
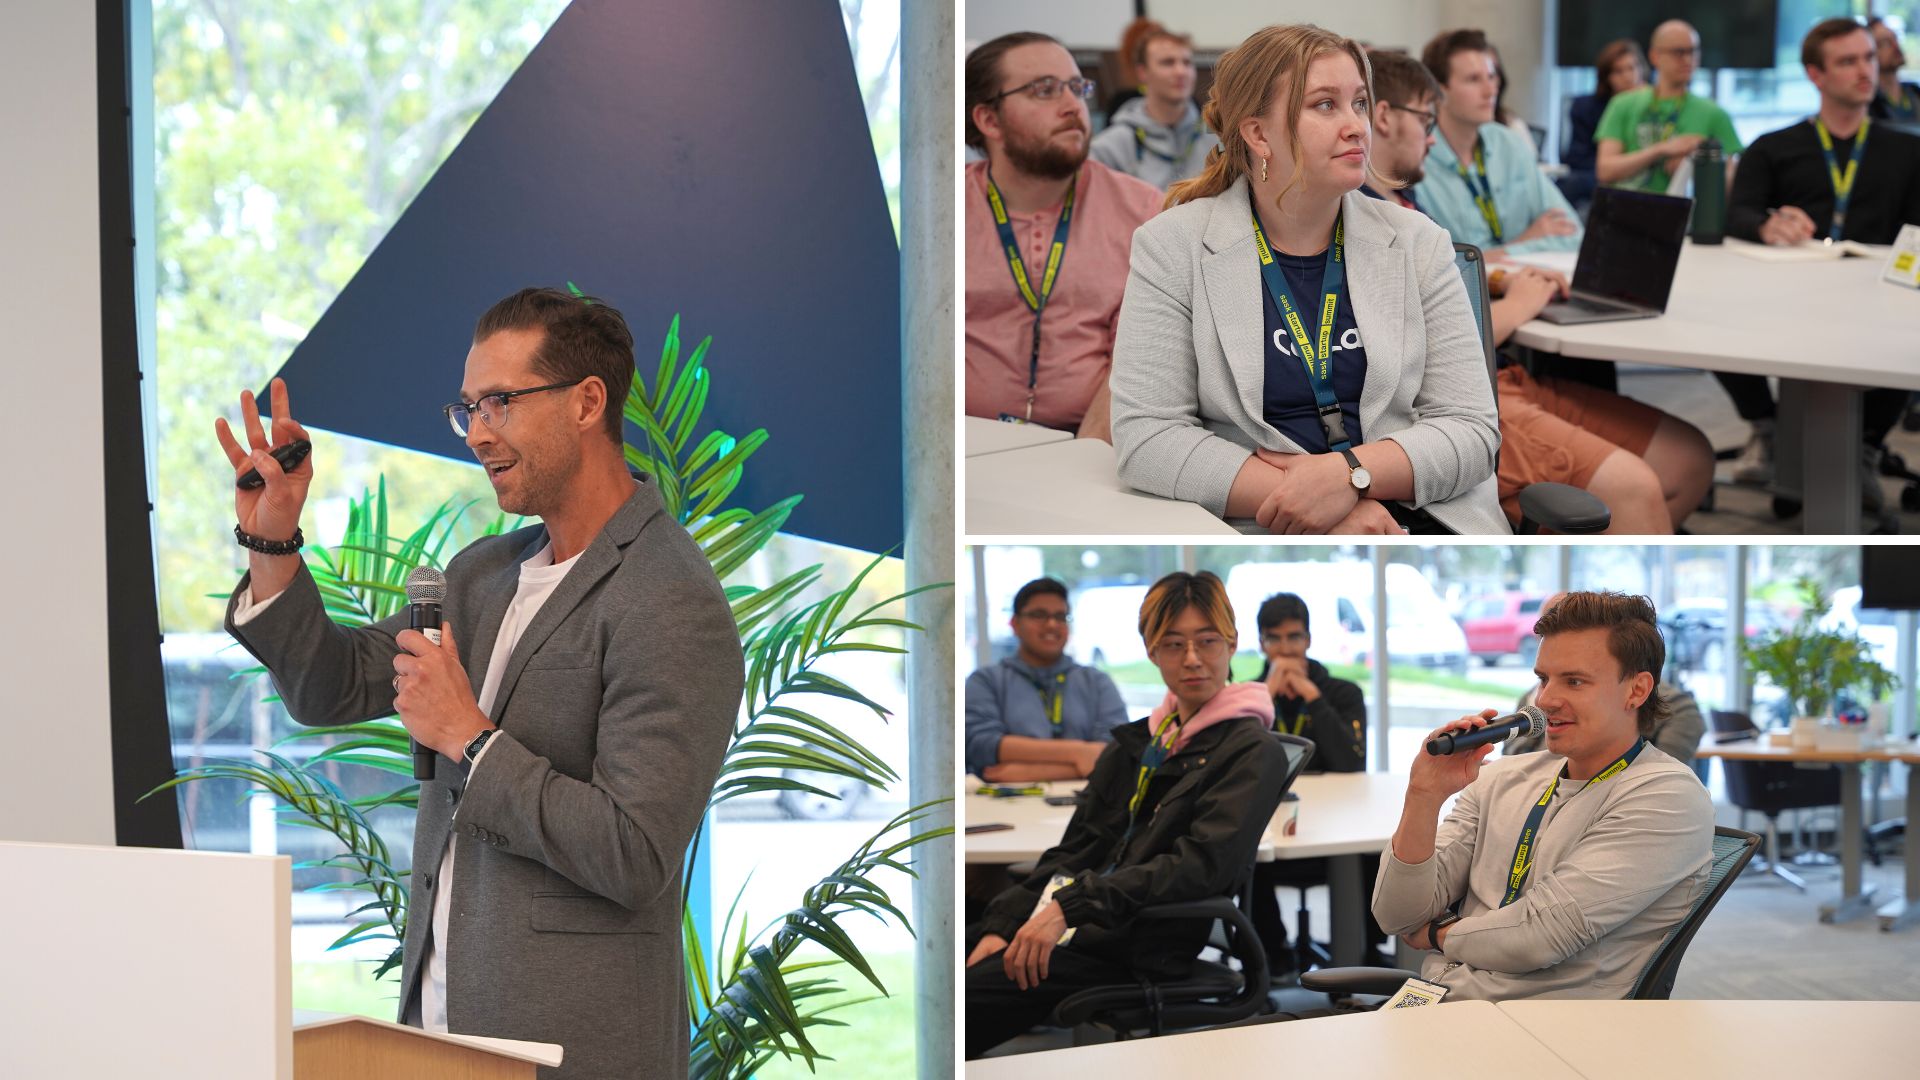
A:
x: 1009, y: 418
x: 1054, y: 885
x: 1415, y: 993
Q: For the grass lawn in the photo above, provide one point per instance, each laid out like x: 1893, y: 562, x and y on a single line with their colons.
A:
x: 876, y: 1044
x: 345, y: 986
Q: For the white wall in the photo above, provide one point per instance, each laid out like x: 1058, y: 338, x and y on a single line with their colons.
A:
x: 56, y: 780
x: 1516, y: 27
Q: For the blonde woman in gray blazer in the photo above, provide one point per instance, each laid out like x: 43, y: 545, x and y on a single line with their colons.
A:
x: 1189, y: 378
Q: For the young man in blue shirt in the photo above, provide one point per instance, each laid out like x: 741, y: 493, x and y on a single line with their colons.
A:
x: 1650, y: 468
x: 1482, y: 184
x: 1037, y: 715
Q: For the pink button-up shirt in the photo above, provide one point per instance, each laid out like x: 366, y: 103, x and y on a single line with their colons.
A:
x: 1076, y: 332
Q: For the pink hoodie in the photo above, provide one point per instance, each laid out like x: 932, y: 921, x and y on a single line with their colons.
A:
x: 1234, y: 700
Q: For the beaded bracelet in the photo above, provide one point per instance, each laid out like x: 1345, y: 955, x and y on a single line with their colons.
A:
x: 269, y: 547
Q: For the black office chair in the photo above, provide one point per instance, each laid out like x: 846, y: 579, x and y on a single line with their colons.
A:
x: 1213, y: 992
x: 1769, y: 787
x: 1560, y: 507
x: 1732, y: 848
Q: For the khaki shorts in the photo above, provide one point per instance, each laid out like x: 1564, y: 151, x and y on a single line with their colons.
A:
x: 1559, y: 432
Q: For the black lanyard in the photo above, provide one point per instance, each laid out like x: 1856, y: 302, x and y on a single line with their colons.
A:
x: 1483, y: 192
x: 1314, y: 356
x: 1842, y: 181
x: 1036, y: 302
x: 1523, y: 851
x: 1049, y: 699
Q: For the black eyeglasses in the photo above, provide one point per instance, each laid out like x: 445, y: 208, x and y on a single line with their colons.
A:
x: 1043, y: 89
x: 493, y: 407
x: 1430, y: 119
x: 1038, y: 616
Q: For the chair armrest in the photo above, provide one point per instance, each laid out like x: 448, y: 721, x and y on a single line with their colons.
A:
x: 1564, y: 508
x: 1356, y: 980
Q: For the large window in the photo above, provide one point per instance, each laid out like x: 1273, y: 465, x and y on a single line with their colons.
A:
x: 1762, y: 99
x: 288, y: 139
x: 1457, y: 618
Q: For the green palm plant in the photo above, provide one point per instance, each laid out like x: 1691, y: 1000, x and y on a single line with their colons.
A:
x: 1812, y: 664
x: 756, y: 1000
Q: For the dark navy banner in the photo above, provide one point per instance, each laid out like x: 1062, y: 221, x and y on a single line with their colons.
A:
x: 710, y: 159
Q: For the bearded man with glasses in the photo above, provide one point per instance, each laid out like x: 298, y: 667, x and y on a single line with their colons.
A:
x: 1173, y: 811
x: 1048, y: 236
x: 580, y: 699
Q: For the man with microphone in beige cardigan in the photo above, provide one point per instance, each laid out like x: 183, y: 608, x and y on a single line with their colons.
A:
x: 1557, y: 874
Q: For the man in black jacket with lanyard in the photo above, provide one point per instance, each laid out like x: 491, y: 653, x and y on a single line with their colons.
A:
x: 1310, y: 703
x: 1834, y: 176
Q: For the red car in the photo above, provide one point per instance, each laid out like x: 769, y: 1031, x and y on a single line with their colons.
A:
x: 1502, y: 625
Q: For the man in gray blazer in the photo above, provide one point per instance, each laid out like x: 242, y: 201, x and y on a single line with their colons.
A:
x: 580, y: 700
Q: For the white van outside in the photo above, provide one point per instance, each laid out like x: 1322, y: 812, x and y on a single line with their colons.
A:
x: 1339, y: 598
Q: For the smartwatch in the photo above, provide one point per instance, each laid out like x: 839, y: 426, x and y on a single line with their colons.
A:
x: 1433, y: 928
x: 479, y: 743
x: 1356, y: 472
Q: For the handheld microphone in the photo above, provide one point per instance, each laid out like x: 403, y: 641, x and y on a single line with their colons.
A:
x: 1528, y: 721
x: 426, y: 590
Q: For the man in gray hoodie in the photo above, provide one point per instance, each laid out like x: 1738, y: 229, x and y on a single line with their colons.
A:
x: 1556, y: 874
x: 1159, y: 136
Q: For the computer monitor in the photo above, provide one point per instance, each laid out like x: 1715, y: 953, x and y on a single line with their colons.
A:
x: 1889, y: 578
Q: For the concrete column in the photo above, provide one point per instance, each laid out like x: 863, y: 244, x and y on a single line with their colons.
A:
x: 927, y: 413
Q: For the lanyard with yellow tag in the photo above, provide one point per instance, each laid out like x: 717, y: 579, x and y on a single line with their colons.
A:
x: 1523, y: 851
x: 1154, y: 756
x: 1036, y: 301
x: 1842, y: 181
x: 1482, y: 192
x: 1050, y: 699
x: 1315, y: 354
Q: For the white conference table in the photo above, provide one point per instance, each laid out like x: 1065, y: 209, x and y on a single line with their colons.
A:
x: 1069, y: 487
x: 1650, y: 1040
x: 1466, y: 1040
x: 983, y: 436
x: 1342, y: 817
x: 1825, y: 329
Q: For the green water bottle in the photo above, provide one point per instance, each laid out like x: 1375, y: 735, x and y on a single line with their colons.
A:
x: 1709, y: 193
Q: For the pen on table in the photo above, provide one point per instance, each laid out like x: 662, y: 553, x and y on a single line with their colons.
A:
x: 1004, y: 791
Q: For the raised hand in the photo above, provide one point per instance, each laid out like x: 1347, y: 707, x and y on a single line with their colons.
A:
x: 272, y: 511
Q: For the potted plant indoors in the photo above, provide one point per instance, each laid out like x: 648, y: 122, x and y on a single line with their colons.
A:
x: 1813, y: 665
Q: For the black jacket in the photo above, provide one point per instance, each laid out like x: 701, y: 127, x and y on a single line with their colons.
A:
x: 1337, y: 722
x: 1200, y: 825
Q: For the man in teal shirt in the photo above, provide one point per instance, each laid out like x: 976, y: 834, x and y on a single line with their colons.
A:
x: 1645, y: 134
x: 1482, y: 184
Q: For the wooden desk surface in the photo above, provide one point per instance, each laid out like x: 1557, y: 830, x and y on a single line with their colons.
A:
x: 1466, y: 1040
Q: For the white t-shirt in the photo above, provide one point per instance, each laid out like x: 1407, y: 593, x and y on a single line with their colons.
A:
x: 539, y: 576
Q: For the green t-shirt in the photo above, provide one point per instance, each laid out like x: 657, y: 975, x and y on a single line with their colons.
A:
x: 1638, y: 122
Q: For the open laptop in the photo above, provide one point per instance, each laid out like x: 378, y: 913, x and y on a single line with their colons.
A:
x: 1627, y: 259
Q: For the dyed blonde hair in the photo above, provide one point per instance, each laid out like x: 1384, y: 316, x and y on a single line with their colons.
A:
x: 1179, y: 591
x: 1246, y: 81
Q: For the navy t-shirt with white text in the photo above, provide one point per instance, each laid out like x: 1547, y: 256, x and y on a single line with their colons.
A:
x: 1288, y: 398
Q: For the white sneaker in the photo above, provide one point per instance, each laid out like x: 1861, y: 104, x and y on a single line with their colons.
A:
x: 1755, y: 463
